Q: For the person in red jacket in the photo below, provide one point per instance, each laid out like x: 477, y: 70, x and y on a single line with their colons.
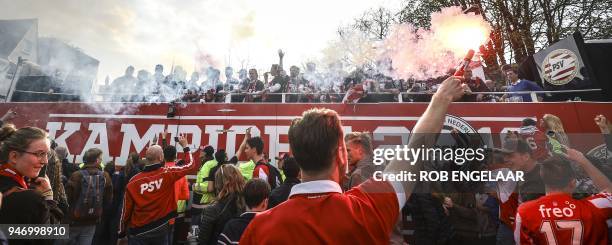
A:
x: 181, y: 192
x: 149, y: 203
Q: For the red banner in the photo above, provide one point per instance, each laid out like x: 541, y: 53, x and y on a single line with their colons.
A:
x: 118, y: 128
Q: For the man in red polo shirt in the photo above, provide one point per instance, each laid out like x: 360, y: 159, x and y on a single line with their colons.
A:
x: 365, y: 214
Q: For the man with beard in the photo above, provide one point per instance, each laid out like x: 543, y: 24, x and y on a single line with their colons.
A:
x: 476, y: 85
x: 253, y: 87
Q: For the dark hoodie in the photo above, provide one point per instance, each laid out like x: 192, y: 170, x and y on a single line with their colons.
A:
x: 25, y: 206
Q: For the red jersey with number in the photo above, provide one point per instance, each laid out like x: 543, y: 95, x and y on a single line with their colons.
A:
x: 317, y: 212
x: 537, y: 141
x: 562, y: 220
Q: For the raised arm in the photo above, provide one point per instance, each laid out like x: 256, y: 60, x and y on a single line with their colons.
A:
x: 599, y: 179
x: 190, y: 165
x: 8, y: 116
x: 604, y: 127
x: 428, y: 126
x: 163, y: 138
x: 280, y: 59
x: 247, y: 136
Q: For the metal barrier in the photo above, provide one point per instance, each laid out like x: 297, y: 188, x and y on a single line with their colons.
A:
x: 285, y: 97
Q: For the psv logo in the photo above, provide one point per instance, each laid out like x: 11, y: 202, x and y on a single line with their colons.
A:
x: 560, y: 67
x: 151, y: 186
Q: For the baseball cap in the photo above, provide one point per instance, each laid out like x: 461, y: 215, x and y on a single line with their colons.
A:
x: 529, y: 122
x: 511, y: 145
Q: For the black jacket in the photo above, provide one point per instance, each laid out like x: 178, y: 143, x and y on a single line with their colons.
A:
x: 215, y: 216
x: 433, y: 224
x: 27, y: 207
x: 281, y: 193
x: 235, y: 227
x: 67, y: 169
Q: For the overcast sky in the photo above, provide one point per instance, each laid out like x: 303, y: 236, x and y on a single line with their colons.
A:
x: 234, y: 32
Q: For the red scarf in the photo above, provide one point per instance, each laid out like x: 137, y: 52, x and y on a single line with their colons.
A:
x: 8, y: 171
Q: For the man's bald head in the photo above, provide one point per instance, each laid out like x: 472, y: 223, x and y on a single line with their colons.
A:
x: 155, y: 154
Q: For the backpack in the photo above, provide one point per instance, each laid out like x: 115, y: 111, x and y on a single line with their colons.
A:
x: 274, y: 178
x: 88, y: 206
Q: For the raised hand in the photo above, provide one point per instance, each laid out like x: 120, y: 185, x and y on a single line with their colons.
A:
x: 248, y: 133
x: 451, y: 89
x: 602, y: 123
x: 281, y: 54
x: 164, y: 134
x: 9, y: 115
x: 183, y: 140
x: 575, y: 155
x: 41, y: 184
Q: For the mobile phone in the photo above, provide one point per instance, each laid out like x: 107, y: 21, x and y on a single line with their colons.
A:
x: 176, y: 139
x: 43, y: 171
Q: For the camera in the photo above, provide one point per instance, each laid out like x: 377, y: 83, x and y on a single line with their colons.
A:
x: 171, y: 110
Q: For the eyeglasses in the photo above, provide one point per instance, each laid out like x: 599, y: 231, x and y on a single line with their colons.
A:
x: 42, y: 155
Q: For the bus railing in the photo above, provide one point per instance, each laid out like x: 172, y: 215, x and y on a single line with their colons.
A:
x: 279, y: 97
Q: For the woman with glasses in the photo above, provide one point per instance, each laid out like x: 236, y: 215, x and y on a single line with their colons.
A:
x: 28, y: 197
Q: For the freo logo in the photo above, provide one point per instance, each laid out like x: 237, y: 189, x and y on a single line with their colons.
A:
x: 560, y: 67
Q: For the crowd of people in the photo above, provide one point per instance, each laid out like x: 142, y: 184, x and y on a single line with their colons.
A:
x: 321, y: 193
x: 334, y: 85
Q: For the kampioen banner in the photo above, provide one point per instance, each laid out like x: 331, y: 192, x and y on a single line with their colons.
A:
x: 131, y: 127
x: 561, y: 66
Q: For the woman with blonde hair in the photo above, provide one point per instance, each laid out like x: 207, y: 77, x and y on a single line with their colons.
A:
x: 554, y: 128
x: 229, y: 203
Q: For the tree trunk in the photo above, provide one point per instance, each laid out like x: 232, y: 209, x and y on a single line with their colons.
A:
x: 548, y: 19
x: 510, y: 26
x: 526, y: 29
